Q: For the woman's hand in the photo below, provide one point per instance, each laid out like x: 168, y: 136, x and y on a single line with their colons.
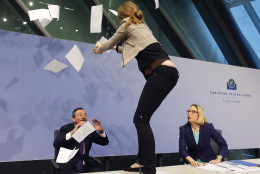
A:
x: 195, y: 163
x: 192, y: 162
x: 216, y: 161
x: 98, y: 51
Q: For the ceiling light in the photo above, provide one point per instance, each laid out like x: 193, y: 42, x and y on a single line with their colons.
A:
x: 66, y: 8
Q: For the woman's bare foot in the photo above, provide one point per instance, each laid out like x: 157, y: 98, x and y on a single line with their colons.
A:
x: 136, y: 165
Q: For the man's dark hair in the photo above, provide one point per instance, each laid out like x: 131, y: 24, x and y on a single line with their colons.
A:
x: 75, y: 110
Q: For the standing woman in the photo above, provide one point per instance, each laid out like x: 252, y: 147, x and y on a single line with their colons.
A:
x: 159, y: 71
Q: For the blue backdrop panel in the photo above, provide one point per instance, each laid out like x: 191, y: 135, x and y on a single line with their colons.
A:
x: 34, y: 102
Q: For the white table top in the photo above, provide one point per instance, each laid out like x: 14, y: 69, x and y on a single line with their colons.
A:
x: 184, y: 169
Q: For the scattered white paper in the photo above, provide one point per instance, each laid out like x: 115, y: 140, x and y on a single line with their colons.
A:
x: 103, y: 40
x: 39, y: 14
x: 228, y: 167
x: 55, y: 66
x: 156, y: 4
x: 83, y: 132
x: 114, y: 12
x: 251, y: 169
x: 237, y: 167
x: 54, y: 11
x: 214, y: 168
x: 45, y: 16
x: 65, y: 155
x: 96, y: 18
x: 44, y: 22
x: 75, y: 58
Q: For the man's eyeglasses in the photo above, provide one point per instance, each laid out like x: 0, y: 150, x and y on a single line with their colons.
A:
x: 192, y: 112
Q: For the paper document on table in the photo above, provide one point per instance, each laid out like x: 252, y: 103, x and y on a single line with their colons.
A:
x: 83, y: 132
x: 75, y: 58
x: 227, y: 166
x: 249, y: 164
x: 214, y: 168
x: 237, y: 167
x: 65, y: 155
x: 232, y: 167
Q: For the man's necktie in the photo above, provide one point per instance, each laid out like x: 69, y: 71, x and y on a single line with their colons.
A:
x: 80, y: 163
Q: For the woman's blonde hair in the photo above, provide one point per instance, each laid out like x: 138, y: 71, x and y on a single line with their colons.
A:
x: 131, y: 10
x: 202, y: 119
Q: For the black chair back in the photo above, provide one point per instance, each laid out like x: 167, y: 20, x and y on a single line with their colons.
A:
x: 214, y: 145
x: 56, y: 151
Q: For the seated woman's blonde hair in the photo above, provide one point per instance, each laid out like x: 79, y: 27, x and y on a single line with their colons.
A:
x: 202, y: 119
x: 131, y: 10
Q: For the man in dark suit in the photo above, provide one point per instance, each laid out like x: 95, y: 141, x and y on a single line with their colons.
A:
x: 65, y: 140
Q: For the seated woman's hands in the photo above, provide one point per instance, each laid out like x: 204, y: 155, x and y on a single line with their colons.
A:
x: 216, y: 161
x: 195, y: 163
x: 192, y: 162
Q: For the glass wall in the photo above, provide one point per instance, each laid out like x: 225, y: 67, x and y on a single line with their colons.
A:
x: 74, y: 21
x: 12, y: 20
x: 182, y: 17
x: 245, y: 14
x: 187, y: 21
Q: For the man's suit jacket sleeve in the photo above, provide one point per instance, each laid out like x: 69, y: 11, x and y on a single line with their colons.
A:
x: 100, y: 140
x: 60, y: 140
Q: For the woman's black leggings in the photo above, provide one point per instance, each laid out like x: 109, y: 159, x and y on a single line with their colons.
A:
x: 158, y: 85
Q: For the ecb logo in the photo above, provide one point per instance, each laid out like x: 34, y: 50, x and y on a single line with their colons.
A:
x: 231, y: 85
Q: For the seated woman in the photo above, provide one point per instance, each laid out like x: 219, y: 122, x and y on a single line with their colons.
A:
x: 194, y: 139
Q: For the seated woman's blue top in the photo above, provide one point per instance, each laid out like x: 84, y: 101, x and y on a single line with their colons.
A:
x: 196, y: 137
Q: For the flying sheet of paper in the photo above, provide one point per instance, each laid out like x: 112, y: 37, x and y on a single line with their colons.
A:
x: 113, y: 11
x: 39, y: 14
x: 96, y: 18
x: 83, y: 131
x: 44, y: 22
x: 103, y: 40
x: 55, y: 66
x: 65, y: 155
x: 75, y: 58
x: 54, y: 11
x: 156, y: 4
